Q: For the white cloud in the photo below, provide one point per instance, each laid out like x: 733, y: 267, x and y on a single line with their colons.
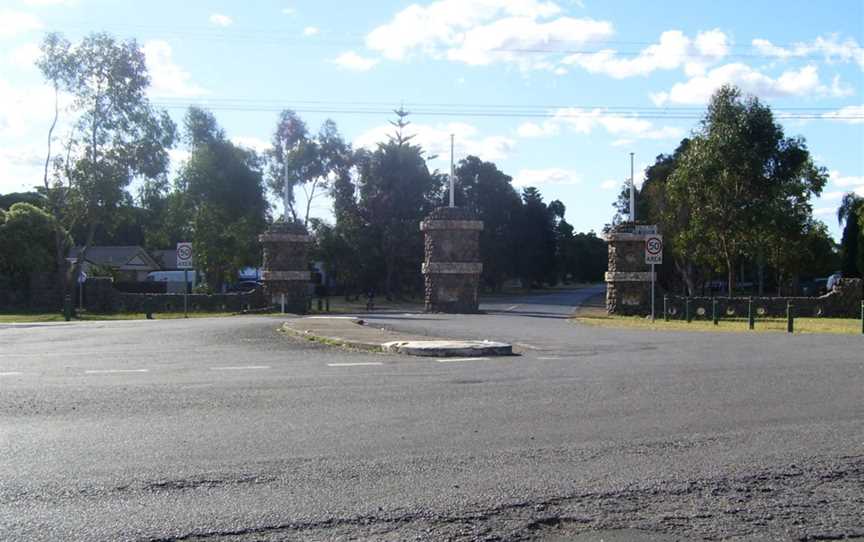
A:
x: 843, y: 184
x: 167, y: 78
x: 610, y: 184
x: 15, y: 23
x: 830, y: 46
x: 219, y: 19
x: 23, y: 109
x: 539, y: 177
x: 66, y: 3
x: 713, y: 43
x: 802, y: 82
x: 584, y: 121
x: 846, y: 181
x: 853, y: 114
x: 24, y: 56
x: 480, y: 32
x: 22, y: 166
x: 824, y: 211
x: 483, y: 45
x: 435, y: 140
x: 311, y: 31
x: 251, y: 142
x: 832, y: 195
x: 289, y: 11
x: 673, y: 50
x: 532, y: 129
x: 350, y: 60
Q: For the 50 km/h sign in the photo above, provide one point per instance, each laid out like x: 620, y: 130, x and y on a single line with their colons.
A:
x: 654, y: 249
x: 185, y: 258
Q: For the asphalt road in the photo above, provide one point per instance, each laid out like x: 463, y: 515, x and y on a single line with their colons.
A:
x: 223, y: 429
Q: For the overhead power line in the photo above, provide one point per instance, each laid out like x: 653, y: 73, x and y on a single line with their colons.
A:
x: 485, y: 110
x: 279, y: 37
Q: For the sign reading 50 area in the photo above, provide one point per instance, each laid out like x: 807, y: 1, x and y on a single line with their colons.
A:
x: 654, y: 249
x: 185, y: 259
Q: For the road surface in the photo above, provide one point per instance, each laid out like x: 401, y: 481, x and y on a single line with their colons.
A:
x: 223, y: 429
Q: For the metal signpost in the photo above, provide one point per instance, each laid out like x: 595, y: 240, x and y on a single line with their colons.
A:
x: 653, y: 256
x: 185, y: 261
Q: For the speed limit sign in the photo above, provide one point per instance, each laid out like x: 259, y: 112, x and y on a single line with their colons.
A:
x: 185, y: 259
x: 654, y: 249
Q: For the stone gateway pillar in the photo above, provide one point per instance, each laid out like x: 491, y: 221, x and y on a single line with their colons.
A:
x: 628, y: 280
x: 452, y: 266
x: 286, y: 266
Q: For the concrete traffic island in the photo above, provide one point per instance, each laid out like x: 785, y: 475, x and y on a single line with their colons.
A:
x: 350, y: 332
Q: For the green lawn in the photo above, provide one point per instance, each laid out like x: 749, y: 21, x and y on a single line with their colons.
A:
x: 36, y: 317
x: 847, y: 326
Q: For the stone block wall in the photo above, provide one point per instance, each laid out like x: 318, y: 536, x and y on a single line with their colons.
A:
x: 452, y: 266
x: 628, y: 278
x: 286, y: 266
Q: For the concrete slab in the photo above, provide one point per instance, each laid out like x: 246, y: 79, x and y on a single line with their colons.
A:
x: 444, y: 349
x: 354, y: 333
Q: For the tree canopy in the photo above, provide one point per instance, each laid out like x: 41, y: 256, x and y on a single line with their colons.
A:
x: 737, y: 189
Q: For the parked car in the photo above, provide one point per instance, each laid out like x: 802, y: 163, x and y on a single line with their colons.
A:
x: 175, y: 280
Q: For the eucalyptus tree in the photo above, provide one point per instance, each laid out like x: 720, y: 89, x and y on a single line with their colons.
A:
x: 116, y: 135
x: 745, y: 185
x: 220, y: 189
x: 299, y: 159
x: 851, y: 213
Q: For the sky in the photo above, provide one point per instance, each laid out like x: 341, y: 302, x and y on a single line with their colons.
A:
x: 556, y: 93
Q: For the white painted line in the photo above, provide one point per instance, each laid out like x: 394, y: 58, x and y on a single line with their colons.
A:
x: 511, y: 308
x: 358, y: 364
x: 457, y: 360
x: 550, y: 357
x: 528, y: 346
x: 11, y: 373
x: 240, y: 368
x: 112, y: 371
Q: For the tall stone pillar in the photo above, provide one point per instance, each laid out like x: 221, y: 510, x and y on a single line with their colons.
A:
x: 286, y: 266
x: 452, y: 266
x: 628, y: 280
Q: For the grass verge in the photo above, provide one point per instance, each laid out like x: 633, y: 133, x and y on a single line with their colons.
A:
x: 844, y: 326
x: 38, y: 317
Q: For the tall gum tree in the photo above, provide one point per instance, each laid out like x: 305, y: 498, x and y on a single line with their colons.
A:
x: 116, y: 134
x: 738, y: 177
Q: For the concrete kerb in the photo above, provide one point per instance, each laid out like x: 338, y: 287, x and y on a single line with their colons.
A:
x: 445, y: 349
x: 353, y: 333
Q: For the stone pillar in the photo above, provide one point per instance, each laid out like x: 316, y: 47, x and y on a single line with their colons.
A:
x: 628, y: 280
x: 452, y: 267
x: 286, y: 266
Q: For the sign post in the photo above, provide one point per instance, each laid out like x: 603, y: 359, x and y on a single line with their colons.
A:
x: 185, y: 261
x: 653, y: 256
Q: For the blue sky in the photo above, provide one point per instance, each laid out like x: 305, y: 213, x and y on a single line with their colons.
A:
x: 557, y: 93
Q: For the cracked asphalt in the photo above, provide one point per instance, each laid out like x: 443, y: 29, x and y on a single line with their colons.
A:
x: 224, y: 429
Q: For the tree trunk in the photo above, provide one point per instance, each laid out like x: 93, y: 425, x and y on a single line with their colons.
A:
x: 685, y: 269
x: 761, y: 273
x: 730, y: 277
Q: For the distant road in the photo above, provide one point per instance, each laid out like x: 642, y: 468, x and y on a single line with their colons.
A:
x: 222, y: 429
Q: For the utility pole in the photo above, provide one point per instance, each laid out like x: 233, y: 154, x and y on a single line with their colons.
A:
x: 452, y: 174
x: 632, y: 192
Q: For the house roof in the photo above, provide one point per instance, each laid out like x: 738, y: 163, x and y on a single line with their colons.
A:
x: 166, y: 258
x: 124, y: 258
